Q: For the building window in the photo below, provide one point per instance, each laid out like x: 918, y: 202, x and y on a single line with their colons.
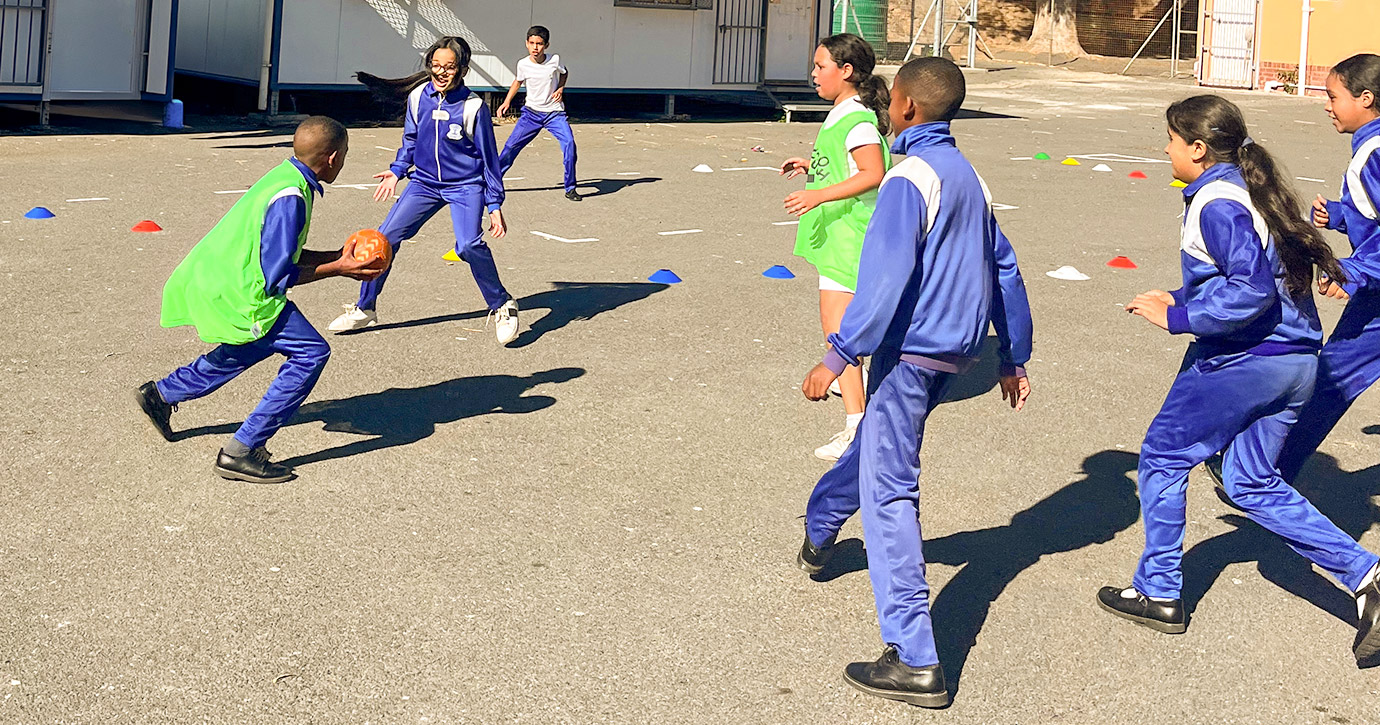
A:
x: 666, y: 4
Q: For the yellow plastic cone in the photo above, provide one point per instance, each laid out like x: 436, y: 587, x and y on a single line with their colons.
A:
x: 450, y: 256
x: 1177, y: 184
x: 1071, y: 162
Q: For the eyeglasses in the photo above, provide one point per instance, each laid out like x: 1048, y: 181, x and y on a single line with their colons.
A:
x: 443, y: 69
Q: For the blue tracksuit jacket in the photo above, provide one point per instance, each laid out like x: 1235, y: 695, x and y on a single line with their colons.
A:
x: 935, y: 268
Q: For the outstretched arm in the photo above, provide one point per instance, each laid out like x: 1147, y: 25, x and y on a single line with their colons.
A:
x: 508, y: 100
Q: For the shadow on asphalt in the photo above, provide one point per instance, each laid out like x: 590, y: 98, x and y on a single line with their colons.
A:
x: 568, y: 302
x: 1086, y: 512
x: 1341, y: 496
x: 602, y: 187
x: 401, y: 416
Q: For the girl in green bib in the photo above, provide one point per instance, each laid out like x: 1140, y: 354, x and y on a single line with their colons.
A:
x: 842, y: 175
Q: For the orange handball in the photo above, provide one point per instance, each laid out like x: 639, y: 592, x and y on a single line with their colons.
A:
x: 371, y: 245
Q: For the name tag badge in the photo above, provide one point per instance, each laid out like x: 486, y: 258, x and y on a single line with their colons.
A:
x: 440, y: 115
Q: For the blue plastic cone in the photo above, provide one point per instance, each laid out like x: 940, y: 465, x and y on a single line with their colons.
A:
x: 39, y: 212
x: 776, y: 271
x: 664, y: 276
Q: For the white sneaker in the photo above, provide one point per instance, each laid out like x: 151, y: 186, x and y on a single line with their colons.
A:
x: 353, y: 319
x: 506, y: 322
x: 837, y: 445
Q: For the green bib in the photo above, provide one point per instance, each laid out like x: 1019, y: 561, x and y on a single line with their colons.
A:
x: 830, y: 236
x: 219, y: 287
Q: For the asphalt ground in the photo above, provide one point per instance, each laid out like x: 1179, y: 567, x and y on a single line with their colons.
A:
x: 598, y: 524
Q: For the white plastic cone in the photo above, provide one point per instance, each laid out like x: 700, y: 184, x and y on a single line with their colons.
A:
x: 1068, y: 273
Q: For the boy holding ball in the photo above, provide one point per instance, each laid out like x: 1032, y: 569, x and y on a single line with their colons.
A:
x: 233, y: 287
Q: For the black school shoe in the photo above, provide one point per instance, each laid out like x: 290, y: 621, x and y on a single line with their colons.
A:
x: 254, y: 467
x: 893, y: 679
x: 158, y: 410
x: 1166, y: 617
x: 812, y: 559
x: 1367, y: 645
x: 574, y: 195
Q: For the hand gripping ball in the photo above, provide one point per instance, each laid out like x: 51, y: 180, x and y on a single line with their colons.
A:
x: 370, y: 245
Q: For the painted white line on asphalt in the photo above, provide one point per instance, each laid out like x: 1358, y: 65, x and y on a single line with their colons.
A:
x: 1022, y: 158
x: 1120, y: 158
x: 680, y: 231
x: 784, y: 224
x: 232, y: 191
x: 1309, y: 178
x: 92, y: 198
x: 555, y: 238
x: 515, y: 178
x: 630, y: 173
x: 385, y: 148
x: 752, y: 168
x: 1002, y: 207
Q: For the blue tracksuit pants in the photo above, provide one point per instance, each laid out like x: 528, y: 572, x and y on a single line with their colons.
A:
x: 1349, y: 363
x: 1250, y: 402
x: 529, y: 124
x: 418, y: 203
x: 879, y: 474
x: 291, y: 336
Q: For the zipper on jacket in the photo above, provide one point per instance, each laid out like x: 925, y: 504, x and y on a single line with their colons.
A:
x: 439, y: 104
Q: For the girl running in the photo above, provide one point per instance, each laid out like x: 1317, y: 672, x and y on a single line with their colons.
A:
x: 850, y: 158
x: 1247, y: 258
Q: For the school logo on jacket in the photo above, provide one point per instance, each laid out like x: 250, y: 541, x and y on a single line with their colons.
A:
x: 455, y: 132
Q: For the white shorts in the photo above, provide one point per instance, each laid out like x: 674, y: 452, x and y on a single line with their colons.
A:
x: 829, y: 285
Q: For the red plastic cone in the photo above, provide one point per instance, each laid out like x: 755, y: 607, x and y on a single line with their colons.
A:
x: 146, y: 226
x: 1121, y: 263
x: 1138, y: 175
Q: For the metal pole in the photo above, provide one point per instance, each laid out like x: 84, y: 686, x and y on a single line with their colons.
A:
x: 1303, y: 49
x: 938, y: 29
x: 845, y: 17
x: 972, y: 33
x: 1174, y: 46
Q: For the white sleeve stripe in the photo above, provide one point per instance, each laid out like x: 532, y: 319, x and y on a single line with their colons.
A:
x: 1359, y: 197
x: 290, y: 191
x: 923, y: 177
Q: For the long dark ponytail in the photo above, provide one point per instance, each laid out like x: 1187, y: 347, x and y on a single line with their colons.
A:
x: 849, y: 49
x: 1219, y: 124
x: 391, y: 90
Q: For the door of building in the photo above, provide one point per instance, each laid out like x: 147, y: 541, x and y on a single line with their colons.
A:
x: 739, y: 40
x: 792, y: 27
x: 1229, y: 50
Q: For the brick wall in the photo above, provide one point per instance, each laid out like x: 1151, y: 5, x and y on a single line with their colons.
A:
x: 1270, y: 71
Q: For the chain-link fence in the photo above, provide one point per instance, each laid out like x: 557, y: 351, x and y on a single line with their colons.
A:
x: 1114, y: 28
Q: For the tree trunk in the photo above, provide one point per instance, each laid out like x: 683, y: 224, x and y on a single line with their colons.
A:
x: 1060, y: 26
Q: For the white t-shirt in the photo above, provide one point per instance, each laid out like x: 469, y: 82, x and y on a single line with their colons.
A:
x: 863, y: 134
x: 541, y: 80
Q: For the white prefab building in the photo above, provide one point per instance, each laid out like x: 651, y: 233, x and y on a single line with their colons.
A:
x: 72, y: 50
x: 651, y: 46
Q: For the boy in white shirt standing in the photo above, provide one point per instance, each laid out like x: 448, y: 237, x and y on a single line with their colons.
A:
x: 545, y: 78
